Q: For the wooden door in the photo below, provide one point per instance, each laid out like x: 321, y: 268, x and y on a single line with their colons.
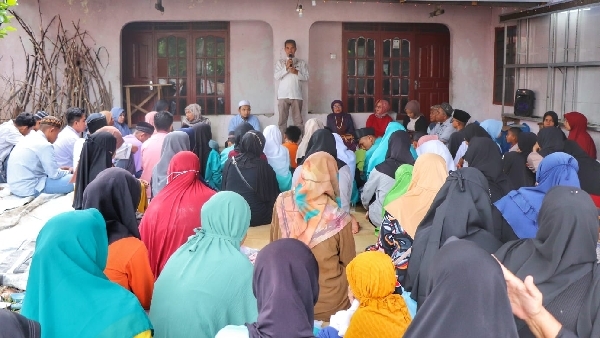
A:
x: 211, y: 73
x: 172, y: 64
x: 432, y: 83
x: 138, y: 68
x: 397, y: 69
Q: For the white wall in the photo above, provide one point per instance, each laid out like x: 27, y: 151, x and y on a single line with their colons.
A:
x: 258, y: 30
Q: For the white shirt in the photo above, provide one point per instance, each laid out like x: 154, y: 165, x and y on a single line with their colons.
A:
x: 289, y: 83
x: 30, y: 163
x: 9, y: 137
x: 64, y: 145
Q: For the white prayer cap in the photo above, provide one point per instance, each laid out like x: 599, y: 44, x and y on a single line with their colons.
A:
x: 244, y: 103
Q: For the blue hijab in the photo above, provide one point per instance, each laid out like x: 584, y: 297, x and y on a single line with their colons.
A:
x: 378, y: 155
x: 123, y: 127
x: 67, y: 290
x: 520, y: 208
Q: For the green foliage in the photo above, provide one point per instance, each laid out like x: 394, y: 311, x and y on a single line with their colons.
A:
x: 5, y: 17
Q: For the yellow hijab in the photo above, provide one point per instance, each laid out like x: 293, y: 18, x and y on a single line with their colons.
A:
x: 429, y: 174
x: 372, y: 279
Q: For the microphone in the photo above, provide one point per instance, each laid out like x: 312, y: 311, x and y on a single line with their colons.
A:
x: 290, y: 56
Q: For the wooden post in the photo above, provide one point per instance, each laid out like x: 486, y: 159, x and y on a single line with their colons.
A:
x: 128, y: 97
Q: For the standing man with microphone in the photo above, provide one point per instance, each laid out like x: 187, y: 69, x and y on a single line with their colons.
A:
x: 290, y: 72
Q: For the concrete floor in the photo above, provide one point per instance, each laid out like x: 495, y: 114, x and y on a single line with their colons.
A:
x: 258, y: 236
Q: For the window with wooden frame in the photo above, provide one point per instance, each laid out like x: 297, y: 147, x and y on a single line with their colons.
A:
x: 191, y: 57
x: 511, y: 52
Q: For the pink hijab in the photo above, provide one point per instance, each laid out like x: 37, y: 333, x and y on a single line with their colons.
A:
x: 150, y: 119
x: 426, y: 138
x: 385, y: 107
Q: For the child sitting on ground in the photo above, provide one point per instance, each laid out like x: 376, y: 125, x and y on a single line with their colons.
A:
x: 290, y: 141
x: 512, y: 138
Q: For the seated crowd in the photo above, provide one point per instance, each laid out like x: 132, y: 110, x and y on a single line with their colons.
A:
x: 482, y: 230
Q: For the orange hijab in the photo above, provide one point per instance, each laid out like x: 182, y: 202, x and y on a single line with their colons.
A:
x: 429, y: 174
x: 311, y: 211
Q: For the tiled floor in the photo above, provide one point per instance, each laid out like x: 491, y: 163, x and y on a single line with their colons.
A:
x: 258, y: 237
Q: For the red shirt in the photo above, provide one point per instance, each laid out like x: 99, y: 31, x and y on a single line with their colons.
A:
x: 378, y: 124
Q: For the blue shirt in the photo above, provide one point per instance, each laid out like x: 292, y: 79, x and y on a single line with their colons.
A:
x: 237, y: 120
x: 30, y: 163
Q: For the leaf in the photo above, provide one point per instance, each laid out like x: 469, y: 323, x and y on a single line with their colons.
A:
x: 12, y: 2
x: 10, y: 29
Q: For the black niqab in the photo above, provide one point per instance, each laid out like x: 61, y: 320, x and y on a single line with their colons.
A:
x: 550, y: 141
x: 484, y: 154
x: 527, y: 141
x: 202, y: 135
x: 14, y: 325
x: 462, y: 209
x: 116, y: 194
x: 514, y: 163
x: 96, y: 156
x: 398, y: 153
x: 322, y: 140
x: 474, y: 130
x: 251, y: 148
x: 465, y: 283
x: 239, y: 132
x: 286, y: 287
x: 563, y: 251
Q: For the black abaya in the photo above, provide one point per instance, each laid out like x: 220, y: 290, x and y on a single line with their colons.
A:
x: 484, y: 154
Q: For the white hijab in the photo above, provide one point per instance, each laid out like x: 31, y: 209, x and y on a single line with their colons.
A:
x: 344, y: 154
x: 277, y: 155
x: 438, y: 148
x: 310, y: 127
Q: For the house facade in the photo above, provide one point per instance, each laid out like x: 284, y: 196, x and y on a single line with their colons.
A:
x: 216, y: 53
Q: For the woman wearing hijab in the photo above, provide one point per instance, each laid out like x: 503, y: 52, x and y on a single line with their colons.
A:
x: 213, y: 278
x: 438, y: 148
x: 426, y: 138
x: 200, y: 147
x: 118, y: 115
x: 493, y: 128
x: 342, y: 124
x: 193, y: 116
x: 377, y: 154
x: 466, y: 296
x: 311, y: 213
x: 252, y: 177
x: 550, y: 120
x: 483, y: 154
x: 381, y: 313
x: 550, y: 140
x: 462, y: 208
x: 403, y: 214
x: 402, y: 179
x: 15, y: 325
x: 576, y: 123
x: 96, y: 156
x: 520, y: 208
x: 324, y: 140
x: 470, y: 131
x: 514, y: 163
x: 562, y: 261
x: 382, y: 178
x: 278, y: 157
x: 175, y: 142
x: 414, y: 120
x: 173, y: 214
x: 213, y: 172
x: 344, y: 154
x: 286, y: 286
x: 310, y: 128
x: 116, y: 194
x: 67, y: 291
x: 380, y: 119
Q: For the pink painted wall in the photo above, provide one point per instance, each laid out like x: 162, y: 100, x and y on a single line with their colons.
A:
x: 258, y: 29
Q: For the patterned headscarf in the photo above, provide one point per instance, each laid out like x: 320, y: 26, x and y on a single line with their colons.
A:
x: 311, y: 212
x: 197, y: 112
x: 382, y: 313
